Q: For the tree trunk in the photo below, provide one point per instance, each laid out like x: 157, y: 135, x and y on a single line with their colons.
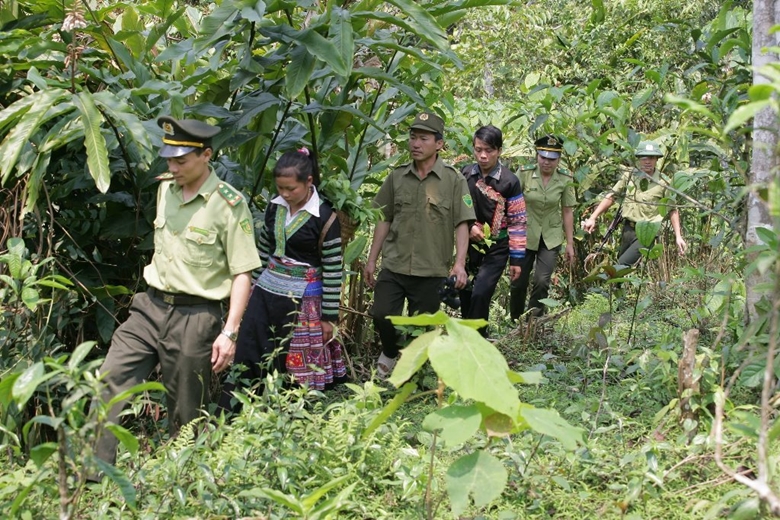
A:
x: 765, y: 162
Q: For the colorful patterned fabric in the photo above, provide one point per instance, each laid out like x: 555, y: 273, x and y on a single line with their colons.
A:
x: 515, y: 214
x: 290, y: 280
x: 308, y: 360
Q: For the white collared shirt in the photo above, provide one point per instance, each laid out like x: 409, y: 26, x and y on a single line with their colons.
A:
x: 312, y: 206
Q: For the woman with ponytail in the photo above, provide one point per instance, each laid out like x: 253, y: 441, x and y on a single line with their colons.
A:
x: 294, y: 305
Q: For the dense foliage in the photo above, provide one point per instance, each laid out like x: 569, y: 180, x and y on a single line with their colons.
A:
x: 81, y: 84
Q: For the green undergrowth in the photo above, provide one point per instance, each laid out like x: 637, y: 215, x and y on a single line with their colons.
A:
x: 299, y: 454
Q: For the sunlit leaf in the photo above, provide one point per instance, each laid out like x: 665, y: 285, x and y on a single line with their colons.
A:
x: 480, y: 476
x: 413, y: 357
x: 94, y: 142
x: 456, y: 424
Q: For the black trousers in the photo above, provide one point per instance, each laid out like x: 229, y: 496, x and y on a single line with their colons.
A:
x: 267, y: 326
x: 391, y: 291
x: 487, y: 267
x: 542, y: 262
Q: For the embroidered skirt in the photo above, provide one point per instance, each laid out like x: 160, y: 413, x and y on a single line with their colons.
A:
x: 308, y: 360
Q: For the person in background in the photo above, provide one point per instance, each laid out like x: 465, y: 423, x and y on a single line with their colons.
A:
x: 204, y: 252
x: 294, y: 306
x: 499, y: 204
x: 641, y: 189
x: 549, y: 199
x: 426, y: 206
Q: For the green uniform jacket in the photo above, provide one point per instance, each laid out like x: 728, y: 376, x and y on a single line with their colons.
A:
x: 201, y: 244
x: 638, y: 204
x: 544, y: 204
x: 423, y: 215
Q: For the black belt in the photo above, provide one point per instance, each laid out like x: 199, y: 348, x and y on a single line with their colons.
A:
x: 178, y: 299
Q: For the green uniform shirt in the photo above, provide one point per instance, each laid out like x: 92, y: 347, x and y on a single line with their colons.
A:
x: 544, y: 205
x: 201, y: 244
x: 638, y: 204
x: 423, y: 215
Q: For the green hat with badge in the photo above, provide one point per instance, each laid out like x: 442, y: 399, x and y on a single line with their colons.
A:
x: 183, y: 136
x: 648, y: 149
x: 429, y: 122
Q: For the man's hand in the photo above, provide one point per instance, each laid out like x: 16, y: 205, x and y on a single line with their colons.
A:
x: 459, y: 271
x: 589, y: 225
x: 514, y: 272
x: 682, y: 246
x: 368, y: 273
x: 570, y: 256
x: 223, y: 350
x: 476, y: 233
x: 327, y: 331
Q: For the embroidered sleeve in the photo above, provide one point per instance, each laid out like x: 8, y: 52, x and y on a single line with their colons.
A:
x: 332, y: 269
x: 516, y: 226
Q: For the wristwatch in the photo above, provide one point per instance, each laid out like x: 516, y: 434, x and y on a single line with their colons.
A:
x: 230, y: 334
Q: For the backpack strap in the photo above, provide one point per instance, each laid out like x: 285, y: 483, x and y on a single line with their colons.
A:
x: 325, y: 229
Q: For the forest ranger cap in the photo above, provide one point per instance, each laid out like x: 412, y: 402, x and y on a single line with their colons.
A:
x: 429, y: 122
x: 549, y: 146
x: 183, y: 136
x: 648, y: 149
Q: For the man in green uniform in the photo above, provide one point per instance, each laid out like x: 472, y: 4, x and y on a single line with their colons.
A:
x: 642, y: 189
x: 425, y: 204
x: 549, y: 202
x: 204, y: 252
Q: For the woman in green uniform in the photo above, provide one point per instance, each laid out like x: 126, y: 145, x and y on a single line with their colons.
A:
x: 549, y: 199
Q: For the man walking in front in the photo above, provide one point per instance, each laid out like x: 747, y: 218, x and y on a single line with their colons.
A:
x: 204, y: 252
x: 427, y: 207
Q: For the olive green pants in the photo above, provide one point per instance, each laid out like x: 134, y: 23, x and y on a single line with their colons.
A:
x: 179, y: 338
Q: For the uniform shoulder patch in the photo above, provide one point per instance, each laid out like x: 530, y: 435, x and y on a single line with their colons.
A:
x: 527, y: 167
x: 467, y: 201
x: 164, y: 177
x: 230, y: 194
x: 564, y: 171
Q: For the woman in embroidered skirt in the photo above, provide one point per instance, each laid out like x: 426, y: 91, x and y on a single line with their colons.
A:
x: 294, y: 305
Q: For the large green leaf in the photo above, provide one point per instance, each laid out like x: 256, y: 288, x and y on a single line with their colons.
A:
x: 340, y: 33
x: 314, y: 42
x: 32, y: 112
x: 124, y: 436
x: 474, y: 368
x: 216, y: 26
x: 413, y: 357
x: 120, y: 479
x: 423, y: 23
x: 26, y: 384
x: 456, y: 423
x: 744, y: 113
x: 478, y: 475
x: 548, y: 422
x: 646, y: 232
x: 299, y: 71
x: 94, y: 142
x: 130, y: 126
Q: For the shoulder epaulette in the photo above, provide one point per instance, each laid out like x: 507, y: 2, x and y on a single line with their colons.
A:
x: 229, y: 193
x: 527, y: 167
x: 564, y: 171
x: 164, y: 177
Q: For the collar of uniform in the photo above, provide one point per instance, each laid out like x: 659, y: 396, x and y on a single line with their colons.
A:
x: 312, y: 205
x: 208, y: 187
x: 438, y: 167
x: 494, y: 173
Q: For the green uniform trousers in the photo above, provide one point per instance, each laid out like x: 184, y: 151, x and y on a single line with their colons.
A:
x: 179, y: 337
x: 542, y: 263
x: 629, y: 245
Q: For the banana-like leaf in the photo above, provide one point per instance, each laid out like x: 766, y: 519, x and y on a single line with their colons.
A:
x: 340, y: 34
x: 425, y: 25
x: 94, y: 142
x: 37, y: 106
x: 299, y: 71
x: 123, y: 115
